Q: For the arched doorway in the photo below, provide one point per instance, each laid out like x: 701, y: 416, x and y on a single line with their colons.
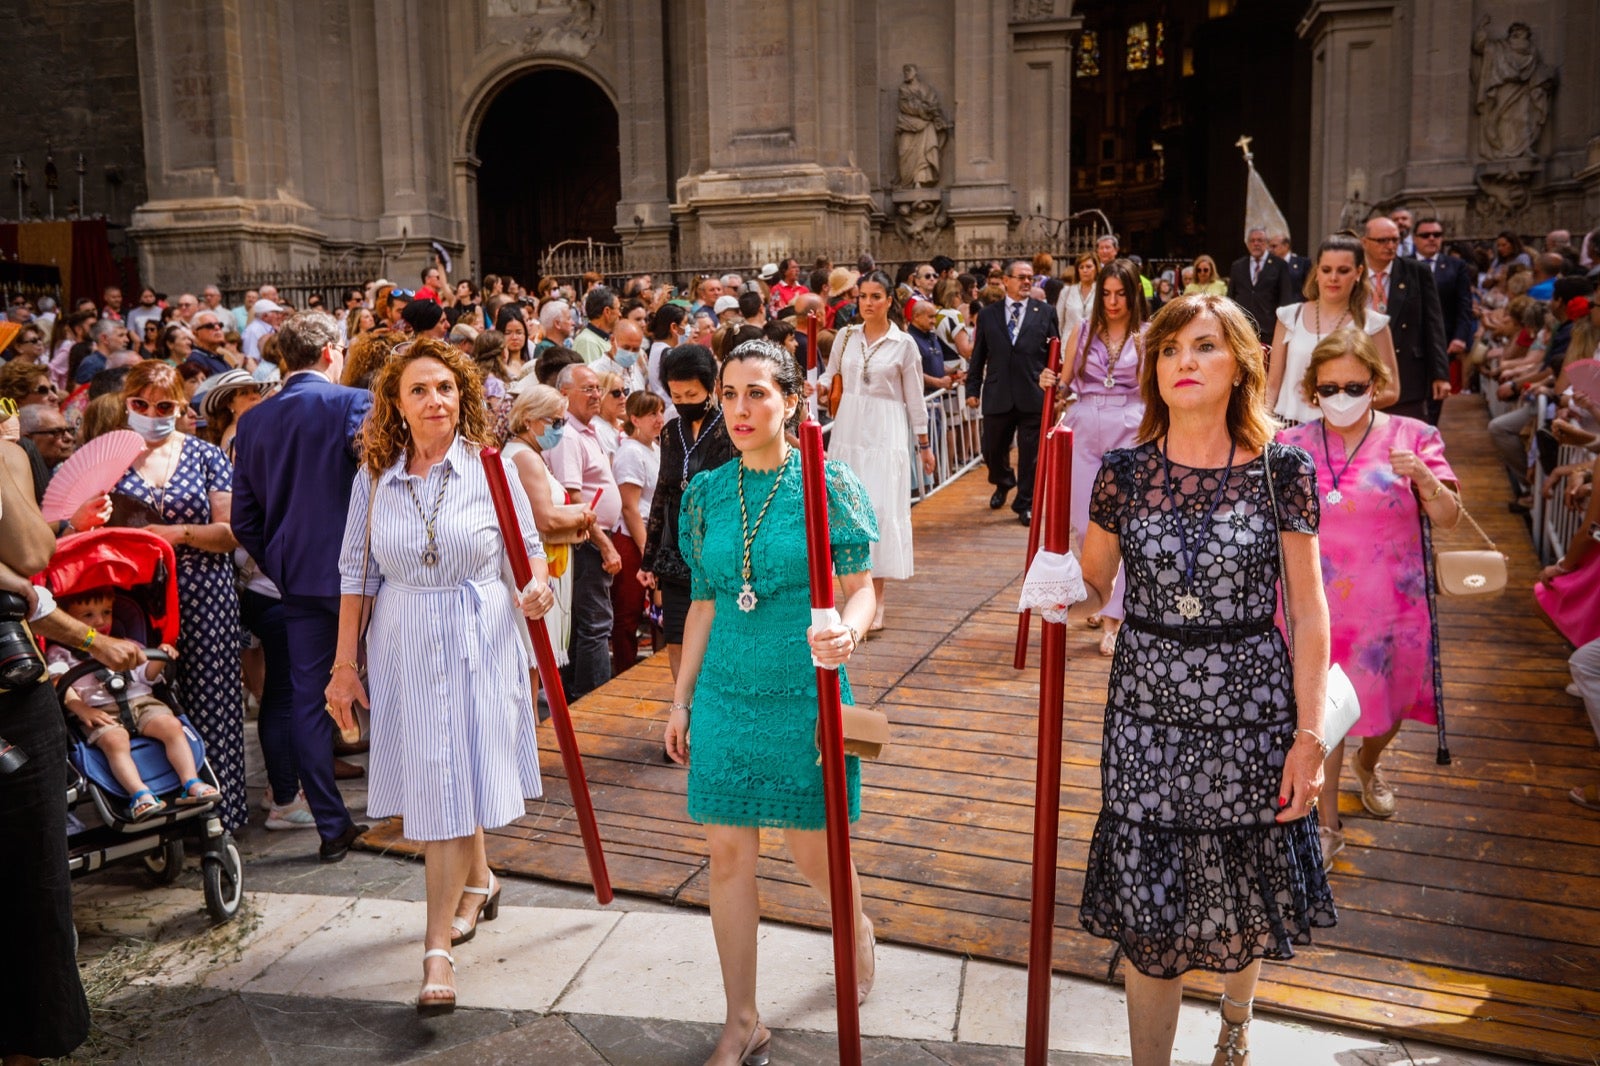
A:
x: 550, y: 169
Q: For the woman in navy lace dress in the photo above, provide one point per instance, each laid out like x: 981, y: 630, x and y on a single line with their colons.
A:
x: 1205, y: 854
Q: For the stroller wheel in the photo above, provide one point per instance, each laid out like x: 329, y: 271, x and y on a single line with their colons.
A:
x: 165, y: 864
x: 223, y: 872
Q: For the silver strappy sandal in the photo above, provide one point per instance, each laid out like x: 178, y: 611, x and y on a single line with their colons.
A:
x: 1233, y: 1054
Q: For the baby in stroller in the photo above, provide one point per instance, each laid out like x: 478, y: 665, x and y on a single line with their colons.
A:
x: 108, y: 715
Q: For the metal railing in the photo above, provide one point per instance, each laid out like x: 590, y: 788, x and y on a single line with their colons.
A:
x: 954, y: 434
x: 1555, y: 520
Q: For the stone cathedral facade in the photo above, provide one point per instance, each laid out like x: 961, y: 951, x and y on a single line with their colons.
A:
x: 256, y: 135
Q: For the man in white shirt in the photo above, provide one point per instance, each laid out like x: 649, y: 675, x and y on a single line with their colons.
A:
x: 627, y: 361
x: 266, y: 316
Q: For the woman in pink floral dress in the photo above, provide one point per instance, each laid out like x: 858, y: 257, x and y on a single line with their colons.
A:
x: 1380, y: 477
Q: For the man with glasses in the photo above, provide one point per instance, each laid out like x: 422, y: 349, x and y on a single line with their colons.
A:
x: 1405, y: 292
x: 1260, y: 283
x: 1010, y: 351
x: 184, y: 310
x: 211, y: 300
x: 1453, y: 279
x: 580, y: 464
x: 923, y: 279
x: 28, y: 347
x: 267, y: 315
x: 209, y: 349
x: 43, y: 426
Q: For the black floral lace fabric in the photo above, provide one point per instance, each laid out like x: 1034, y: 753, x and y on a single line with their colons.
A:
x: 1187, y: 868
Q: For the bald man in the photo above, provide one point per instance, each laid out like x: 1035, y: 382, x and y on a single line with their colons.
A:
x: 626, y: 359
x: 1405, y: 292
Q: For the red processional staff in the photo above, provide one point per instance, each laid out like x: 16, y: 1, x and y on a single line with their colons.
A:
x: 1053, y: 515
x: 555, y: 695
x: 1041, y: 470
x: 819, y: 554
x: 813, y: 365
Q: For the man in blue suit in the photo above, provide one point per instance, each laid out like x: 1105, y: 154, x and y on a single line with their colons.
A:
x: 296, y: 455
x: 1453, y: 278
x: 1011, y: 348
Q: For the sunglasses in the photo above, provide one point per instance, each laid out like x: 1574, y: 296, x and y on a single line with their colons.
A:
x: 64, y: 431
x: 617, y: 394
x: 209, y: 325
x: 1429, y: 234
x: 163, y: 408
x: 1355, y: 388
x: 44, y: 388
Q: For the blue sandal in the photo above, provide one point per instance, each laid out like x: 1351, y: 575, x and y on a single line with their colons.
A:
x: 190, y: 798
x: 145, y: 803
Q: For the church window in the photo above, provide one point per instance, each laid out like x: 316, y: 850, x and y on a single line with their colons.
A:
x: 1088, y: 65
x: 1139, y: 46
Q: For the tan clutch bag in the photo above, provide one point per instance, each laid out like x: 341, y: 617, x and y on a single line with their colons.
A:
x: 866, y: 732
x: 1471, y: 573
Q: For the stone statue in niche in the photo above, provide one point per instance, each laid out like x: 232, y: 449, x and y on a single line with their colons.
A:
x: 1513, y: 90
x: 920, y: 132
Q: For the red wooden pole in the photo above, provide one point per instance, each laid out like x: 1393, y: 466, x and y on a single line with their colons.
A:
x: 1019, y: 659
x: 813, y: 364
x: 555, y: 695
x: 819, y: 555
x: 1047, y: 787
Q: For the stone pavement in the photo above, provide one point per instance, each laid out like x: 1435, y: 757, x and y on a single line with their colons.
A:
x: 323, y: 964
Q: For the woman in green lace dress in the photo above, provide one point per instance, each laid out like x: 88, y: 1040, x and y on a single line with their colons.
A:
x: 747, y: 668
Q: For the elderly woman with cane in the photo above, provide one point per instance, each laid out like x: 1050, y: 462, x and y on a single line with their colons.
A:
x: 453, y: 745
x: 1213, y: 749
x: 752, y: 752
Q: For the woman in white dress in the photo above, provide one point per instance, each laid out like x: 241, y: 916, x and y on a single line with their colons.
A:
x: 453, y: 745
x: 1336, y: 298
x: 1076, y: 302
x: 882, y: 372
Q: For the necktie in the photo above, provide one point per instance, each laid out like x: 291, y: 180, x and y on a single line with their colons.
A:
x: 1255, y: 270
x: 1380, y: 290
x: 1014, y: 320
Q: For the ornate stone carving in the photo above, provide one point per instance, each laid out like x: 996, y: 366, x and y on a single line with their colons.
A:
x: 1514, y: 86
x: 919, y: 132
x: 919, y: 222
x: 1032, y: 10
x: 570, y: 27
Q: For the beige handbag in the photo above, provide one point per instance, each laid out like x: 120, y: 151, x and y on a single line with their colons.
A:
x: 1470, y: 573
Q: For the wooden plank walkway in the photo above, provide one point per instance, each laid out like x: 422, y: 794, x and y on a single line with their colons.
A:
x: 1472, y: 918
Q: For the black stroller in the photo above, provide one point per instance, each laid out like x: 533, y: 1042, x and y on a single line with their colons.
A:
x: 141, y: 568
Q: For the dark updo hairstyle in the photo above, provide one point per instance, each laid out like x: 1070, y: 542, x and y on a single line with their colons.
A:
x: 785, y: 370
x: 689, y: 362
x: 666, y: 316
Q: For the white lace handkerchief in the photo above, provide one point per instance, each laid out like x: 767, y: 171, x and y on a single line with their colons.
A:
x: 1054, y: 583
x: 823, y: 618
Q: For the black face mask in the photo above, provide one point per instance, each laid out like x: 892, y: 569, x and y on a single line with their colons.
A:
x: 693, y: 412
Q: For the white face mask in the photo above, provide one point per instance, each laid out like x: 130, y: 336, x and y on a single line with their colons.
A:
x: 1343, y: 410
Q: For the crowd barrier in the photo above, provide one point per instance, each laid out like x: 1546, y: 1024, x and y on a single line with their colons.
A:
x: 1553, y: 520
x: 953, y: 432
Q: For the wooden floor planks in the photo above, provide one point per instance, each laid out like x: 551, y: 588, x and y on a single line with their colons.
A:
x: 1472, y: 918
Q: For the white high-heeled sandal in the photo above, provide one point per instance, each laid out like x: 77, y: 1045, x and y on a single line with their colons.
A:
x: 1230, y: 1044
x: 428, y: 1008
x: 488, y: 911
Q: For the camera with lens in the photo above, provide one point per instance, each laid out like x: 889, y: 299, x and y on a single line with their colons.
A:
x: 21, y: 666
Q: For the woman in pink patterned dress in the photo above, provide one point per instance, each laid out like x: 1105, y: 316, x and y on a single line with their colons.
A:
x: 1380, y: 477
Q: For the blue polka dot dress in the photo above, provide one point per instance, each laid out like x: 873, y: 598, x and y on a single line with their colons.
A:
x: 206, y: 677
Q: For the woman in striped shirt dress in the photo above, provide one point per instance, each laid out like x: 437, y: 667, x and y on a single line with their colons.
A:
x: 453, y: 743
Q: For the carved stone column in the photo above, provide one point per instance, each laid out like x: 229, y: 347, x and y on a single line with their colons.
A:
x: 1356, y: 134
x: 778, y: 170
x: 981, y: 201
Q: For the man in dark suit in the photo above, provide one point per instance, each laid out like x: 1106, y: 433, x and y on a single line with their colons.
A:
x: 1011, y: 348
x: 296, y: 455
x: 1299, y: 265
x: 1453, y: 280
x: 1260, y: 283
x: 1404, y: 290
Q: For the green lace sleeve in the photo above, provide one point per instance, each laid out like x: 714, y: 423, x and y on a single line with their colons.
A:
x: 852, y: 524
x: 692, y: 536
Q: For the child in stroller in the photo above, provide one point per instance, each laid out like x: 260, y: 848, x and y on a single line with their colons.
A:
x: 111, y: 706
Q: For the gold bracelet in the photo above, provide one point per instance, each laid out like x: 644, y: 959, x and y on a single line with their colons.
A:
x: 352, y: 664
x: 1435, y: 496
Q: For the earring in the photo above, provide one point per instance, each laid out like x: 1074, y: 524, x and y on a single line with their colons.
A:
x: 1237, y: 382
